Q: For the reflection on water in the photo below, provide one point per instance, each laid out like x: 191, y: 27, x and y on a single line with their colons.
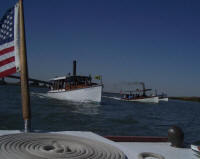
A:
x: 87, y: 108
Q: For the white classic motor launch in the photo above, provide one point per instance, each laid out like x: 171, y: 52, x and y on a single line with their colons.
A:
x: 75, y: 88
x: 85, y: 94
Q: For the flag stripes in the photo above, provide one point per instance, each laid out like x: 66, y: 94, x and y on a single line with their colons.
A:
x: 7, y: 72
x: 9, y: 60
x: 7, y: 50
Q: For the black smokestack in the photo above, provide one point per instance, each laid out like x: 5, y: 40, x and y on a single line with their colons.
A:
x: 74, y: 68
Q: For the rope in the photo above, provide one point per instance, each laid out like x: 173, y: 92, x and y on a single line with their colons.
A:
x: 55, y: 146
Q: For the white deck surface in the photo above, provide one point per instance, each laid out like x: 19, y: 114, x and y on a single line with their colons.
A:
x: 163, y: 149
x: 131, y: 149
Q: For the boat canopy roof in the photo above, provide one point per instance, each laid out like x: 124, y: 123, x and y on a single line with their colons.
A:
x: 72, y: 78
x: 137, y: 90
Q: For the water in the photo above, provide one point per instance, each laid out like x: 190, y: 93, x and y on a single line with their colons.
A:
x: 111, y: 117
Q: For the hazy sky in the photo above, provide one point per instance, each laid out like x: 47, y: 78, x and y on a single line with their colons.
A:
x: 154, y: 41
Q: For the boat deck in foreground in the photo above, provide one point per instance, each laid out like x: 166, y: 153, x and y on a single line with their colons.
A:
x: 131, y: 149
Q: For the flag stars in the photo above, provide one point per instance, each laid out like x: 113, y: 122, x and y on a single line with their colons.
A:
x: 7, y: 27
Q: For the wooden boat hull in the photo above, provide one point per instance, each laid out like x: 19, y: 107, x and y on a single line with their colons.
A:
x: 89, y: 94
x: 144, y: 100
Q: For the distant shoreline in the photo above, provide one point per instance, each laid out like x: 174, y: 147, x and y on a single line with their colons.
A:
x: 193, y: 99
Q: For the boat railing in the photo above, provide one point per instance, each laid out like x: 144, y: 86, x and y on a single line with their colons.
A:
x: 74, y: 88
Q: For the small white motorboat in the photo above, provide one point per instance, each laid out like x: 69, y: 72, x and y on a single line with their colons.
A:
x: 139, y: 95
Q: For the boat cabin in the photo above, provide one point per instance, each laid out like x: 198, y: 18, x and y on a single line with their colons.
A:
x: 163, y: 95
x: 131, y: 94
x: 134, y: 94
x: 71, y: 82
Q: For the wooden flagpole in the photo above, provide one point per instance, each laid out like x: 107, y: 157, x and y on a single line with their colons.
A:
x: 26, y: 111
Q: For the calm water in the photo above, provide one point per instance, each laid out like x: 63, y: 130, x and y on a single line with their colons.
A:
x: 111, y: 117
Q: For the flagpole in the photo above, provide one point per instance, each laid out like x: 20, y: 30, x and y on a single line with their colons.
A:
x: 26, y: 111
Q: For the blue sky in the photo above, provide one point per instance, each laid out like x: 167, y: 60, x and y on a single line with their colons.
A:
x: 154, y: 41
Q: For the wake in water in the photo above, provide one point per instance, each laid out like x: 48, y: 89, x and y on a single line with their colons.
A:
x: 116, y: 98
x: 39, y: 95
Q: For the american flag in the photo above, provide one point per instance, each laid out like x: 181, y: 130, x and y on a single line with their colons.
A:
x: 9, y: 44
